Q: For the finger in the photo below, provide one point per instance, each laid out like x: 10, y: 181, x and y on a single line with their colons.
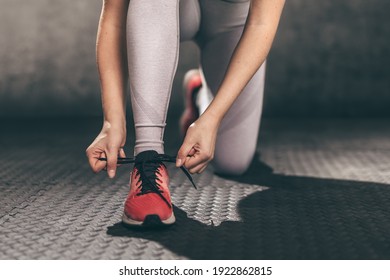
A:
x: 112, y: 158
x: 197, y: 168
x: 203, y: 168
x: 122, y: 155
x: 100, y: 164
x: 94, y: 162
x: 192, y: 152
x: 184, y: 150
x: 194, y: 161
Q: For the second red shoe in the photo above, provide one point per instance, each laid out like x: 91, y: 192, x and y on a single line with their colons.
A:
x: 191, y: 85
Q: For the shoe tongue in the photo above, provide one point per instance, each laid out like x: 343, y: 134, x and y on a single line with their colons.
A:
x: 146, y: 155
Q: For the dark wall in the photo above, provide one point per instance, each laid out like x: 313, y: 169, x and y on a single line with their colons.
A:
x: 47, y: 57
x: 330, y: 58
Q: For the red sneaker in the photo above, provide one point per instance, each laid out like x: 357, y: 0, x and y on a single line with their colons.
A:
x: 191, y: 86
x: 149, y: 202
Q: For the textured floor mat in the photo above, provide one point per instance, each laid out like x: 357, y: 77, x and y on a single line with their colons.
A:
x: 318, y: 191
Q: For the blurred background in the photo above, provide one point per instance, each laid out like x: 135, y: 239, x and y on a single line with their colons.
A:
x: 329, y: 59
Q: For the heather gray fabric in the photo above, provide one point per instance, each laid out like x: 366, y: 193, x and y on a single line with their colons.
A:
x: 216, y: 26
x: 152, y: 49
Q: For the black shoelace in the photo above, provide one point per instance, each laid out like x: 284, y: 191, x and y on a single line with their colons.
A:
x: 147, y: 168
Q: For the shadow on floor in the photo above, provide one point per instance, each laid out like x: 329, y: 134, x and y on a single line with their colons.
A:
x: 296, y: 218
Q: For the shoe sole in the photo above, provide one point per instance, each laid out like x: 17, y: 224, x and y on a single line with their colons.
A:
x: 150, y: 221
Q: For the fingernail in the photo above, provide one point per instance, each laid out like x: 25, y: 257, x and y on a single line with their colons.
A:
x: 178, y: 163
x: 111, y: 173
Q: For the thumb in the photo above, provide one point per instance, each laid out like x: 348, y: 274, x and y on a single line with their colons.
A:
x: 184, y: 150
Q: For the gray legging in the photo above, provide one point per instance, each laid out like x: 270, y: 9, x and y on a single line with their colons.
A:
x: 153, y: 31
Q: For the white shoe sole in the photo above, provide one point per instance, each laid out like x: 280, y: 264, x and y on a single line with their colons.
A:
x: 150, y: 221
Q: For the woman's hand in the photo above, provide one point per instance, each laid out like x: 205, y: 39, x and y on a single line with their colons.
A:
x: 198, y: 146
x: 109, y: 144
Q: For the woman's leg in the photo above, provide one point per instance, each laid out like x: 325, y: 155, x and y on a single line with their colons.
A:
x: 189, y: 19
x: 222, y: 26
x: 152, y: 49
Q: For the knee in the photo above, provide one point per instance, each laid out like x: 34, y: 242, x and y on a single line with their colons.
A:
x: 232, y: 165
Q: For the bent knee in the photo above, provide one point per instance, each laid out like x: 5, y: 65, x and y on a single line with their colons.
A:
x: 232, y: 165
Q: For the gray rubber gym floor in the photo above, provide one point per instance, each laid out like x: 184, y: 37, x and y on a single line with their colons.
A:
x: 317, y: 189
